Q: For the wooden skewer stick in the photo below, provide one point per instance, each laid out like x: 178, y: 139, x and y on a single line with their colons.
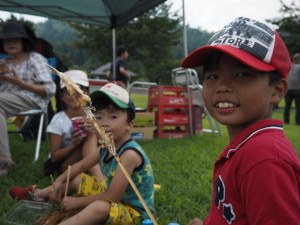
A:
x: 136, y: 190
x: 68, y: 179
x: 52, y: 181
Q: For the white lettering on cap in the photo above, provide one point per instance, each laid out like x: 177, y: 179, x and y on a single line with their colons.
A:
x: 248, y: 35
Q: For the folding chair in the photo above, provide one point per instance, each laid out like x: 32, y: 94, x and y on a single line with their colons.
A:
x: 43, y: 118
x: 189, y: 78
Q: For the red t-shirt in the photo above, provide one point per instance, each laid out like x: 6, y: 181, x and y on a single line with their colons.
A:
x: 257, y: 179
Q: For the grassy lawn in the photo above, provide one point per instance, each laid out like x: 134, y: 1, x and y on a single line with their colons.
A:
x: 183, y: 168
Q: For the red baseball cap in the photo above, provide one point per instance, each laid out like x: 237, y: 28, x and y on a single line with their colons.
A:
x: 256, y: 44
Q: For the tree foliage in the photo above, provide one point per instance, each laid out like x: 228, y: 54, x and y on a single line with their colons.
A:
x: 62, y: 36
x: 149, y: 38
x: 289, y: 26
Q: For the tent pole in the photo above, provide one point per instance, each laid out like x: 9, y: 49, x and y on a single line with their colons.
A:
x: 114, y: 52
x: 185, y: 48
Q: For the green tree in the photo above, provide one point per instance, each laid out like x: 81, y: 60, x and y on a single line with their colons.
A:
x: 62, y: 36
x: 149, y: 38
x: 289, y: 26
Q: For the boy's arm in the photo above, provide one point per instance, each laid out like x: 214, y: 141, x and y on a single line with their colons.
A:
x: 130, y: 160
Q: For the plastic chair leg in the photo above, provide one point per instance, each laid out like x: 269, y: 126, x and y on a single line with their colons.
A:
x: 39, y: 138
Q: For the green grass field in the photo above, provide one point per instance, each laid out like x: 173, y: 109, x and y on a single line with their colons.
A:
x: 183, y: 168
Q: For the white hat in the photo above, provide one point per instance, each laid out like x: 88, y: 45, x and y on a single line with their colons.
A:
x: 77, y: 76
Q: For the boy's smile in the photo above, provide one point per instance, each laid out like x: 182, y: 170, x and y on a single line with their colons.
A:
x: 236, y: 95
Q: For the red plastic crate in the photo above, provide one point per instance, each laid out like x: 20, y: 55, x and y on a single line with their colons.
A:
x: 167, y: 131
x: 168, y: 97
x: 173, y: 135
x: 172, y: 119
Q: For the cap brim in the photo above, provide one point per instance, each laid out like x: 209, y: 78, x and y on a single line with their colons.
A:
x: 198, y: 57
x: 99, y: 94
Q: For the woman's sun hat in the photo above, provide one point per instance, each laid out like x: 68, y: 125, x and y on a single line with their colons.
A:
x: 15, y: 30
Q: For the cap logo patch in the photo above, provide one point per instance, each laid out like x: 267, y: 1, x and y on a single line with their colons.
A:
x: 116, y: 92
x: 249, y: 35
x: 110, y: 89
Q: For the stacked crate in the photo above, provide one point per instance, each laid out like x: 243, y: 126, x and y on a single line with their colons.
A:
x: 171, y: 107
x: 144, y: 126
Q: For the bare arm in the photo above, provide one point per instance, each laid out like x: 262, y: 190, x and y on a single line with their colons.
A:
x: 130, y: 160
x: 16, y: 80
x: 59, y: 153
x: 125, y: 73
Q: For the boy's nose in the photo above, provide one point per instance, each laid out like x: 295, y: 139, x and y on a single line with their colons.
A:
x: 224, y: 85
x: 103, y: 122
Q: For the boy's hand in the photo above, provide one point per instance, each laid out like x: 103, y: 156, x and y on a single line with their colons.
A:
x: 196, y: 221
x: 55, y: 192
x: 69, y: 203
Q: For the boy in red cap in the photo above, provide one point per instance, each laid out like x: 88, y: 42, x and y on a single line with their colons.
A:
x: 256, y: 178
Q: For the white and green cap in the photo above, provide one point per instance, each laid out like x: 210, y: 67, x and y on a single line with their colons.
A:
x: 116, y: 94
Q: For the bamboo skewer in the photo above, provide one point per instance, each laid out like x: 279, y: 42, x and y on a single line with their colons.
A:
x: 106, y: 139
x: 136, y: 190
x: 68, y: 179
x: 52, y: 181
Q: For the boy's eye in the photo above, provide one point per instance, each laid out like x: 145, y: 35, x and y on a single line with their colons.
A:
x: 210, y: 76
x: 98, y: 117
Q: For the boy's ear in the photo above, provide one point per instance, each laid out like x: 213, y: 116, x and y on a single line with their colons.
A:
x: 280, y: 90
x: 130, y: 125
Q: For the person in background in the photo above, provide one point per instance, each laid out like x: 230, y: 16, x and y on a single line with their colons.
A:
x: 110, y: 200
x: 65, y: 148
x: 122, y: 74
x: 25, y: 82
x: 45, y: 48
x: 42, y: 46
x: 293, y: 92
x: 256, y: 178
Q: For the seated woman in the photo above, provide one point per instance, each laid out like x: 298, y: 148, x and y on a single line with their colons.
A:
x: 25, y: 83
